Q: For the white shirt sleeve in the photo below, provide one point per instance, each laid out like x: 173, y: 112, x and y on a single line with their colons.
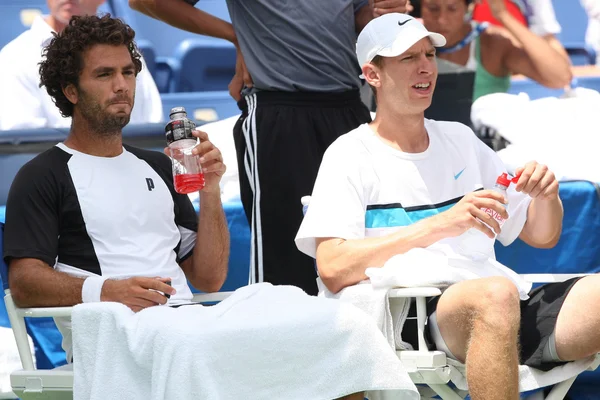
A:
x: 337, y: 206
x: 148, y: 105
x: 543, y: 21
x: 518, y: 203
x: 20, y: 100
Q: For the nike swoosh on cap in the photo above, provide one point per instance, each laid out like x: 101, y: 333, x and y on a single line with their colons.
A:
x: 402, y: 23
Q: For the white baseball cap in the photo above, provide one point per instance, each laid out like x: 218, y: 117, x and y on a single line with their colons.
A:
x: 391, y: 35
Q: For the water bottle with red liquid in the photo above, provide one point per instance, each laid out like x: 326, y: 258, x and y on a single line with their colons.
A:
x: 476, y: 244
x: 187, y: 171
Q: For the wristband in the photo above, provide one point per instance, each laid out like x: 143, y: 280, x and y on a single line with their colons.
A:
x: 92, y: 289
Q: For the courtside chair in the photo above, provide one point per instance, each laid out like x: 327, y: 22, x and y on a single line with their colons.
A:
x: 30, y: 383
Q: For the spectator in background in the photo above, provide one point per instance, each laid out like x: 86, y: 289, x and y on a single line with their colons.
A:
x: 538, y: 15
x: 592, y: 36
x: 493, y: 52
x: 297, y: 61
x: 24, y: 104
x: 542, y: 21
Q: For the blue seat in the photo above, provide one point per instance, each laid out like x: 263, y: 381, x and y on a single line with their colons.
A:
x: 574, y: 21
x: 578, y: 250
x: 590, y: 82
x: 15, y: 151
x: 149, y: 52
x: 164, y: 37
x: 204, y: 65
x: 17, y: 16
x: 201, y: 106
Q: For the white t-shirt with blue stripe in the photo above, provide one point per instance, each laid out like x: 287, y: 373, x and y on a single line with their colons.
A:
x: 365, y: 188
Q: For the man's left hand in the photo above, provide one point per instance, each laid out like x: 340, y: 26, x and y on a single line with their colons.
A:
x: 537, y: 181
x: 381, y: 7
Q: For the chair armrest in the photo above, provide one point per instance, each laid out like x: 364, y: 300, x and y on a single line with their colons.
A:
x: 414, y: 292
x: 210, y: 297
x: 41, y: 312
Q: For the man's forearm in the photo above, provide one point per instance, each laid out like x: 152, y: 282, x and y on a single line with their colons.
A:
x: 343, y: 263
x: 184, y: 16
x: 550, y: 64
x: 557, y: 46
x: 544, y: 223
x: 35, y: 285
x: 211, y: 254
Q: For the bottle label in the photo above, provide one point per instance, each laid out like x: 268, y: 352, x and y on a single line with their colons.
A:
x: 179, y: 129
x: 495, y: 215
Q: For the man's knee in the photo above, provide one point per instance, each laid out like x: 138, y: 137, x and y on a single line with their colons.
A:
x: 497, y: 304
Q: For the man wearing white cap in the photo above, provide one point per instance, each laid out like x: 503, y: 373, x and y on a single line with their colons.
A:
x: 403, y: 182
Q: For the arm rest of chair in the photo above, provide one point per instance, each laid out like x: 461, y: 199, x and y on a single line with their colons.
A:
x: 210, y: 297
x: 41, y: 312
x: 414, y: 292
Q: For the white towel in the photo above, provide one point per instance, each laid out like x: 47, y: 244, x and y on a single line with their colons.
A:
x: 263, y: 342
x: 561, y: 133
x: 440, y: 268
x: 374, y: 301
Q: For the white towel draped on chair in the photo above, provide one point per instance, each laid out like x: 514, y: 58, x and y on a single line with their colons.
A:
x: 263, y: 342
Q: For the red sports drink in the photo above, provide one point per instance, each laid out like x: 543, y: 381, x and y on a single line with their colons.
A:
x: 187, y: 171
x: 189, y: 183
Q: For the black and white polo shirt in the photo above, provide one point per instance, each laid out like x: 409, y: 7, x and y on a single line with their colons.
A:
x: 116, y: 217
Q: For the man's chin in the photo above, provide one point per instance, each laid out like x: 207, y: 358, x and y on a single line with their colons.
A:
x: 113, y: 125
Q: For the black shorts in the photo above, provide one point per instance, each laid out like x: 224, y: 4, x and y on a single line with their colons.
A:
x: 538, y: 321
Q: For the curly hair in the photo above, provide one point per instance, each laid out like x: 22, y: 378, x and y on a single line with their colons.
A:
x: 63, y: 56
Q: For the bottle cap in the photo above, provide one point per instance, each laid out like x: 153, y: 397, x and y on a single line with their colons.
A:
x: 177, y: 110
x: 505, y: 181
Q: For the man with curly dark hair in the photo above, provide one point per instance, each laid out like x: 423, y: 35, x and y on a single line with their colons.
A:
x: 63, y: 68
x: 24, y: 104
x: 91, y: 208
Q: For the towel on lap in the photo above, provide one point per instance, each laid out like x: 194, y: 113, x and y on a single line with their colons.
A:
x: 263, y: 342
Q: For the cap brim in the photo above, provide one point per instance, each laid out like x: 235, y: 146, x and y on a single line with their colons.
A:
x: 402, y: 43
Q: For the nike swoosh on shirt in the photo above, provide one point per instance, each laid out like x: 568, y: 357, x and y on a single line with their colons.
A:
x: 459, y: 174
x: 402, y: 23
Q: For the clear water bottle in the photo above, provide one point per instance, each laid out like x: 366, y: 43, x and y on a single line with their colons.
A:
x: 476, y: 244
x: 187, y: 171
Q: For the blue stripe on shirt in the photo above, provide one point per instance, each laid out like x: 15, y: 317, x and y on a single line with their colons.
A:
x: 387, y: 217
